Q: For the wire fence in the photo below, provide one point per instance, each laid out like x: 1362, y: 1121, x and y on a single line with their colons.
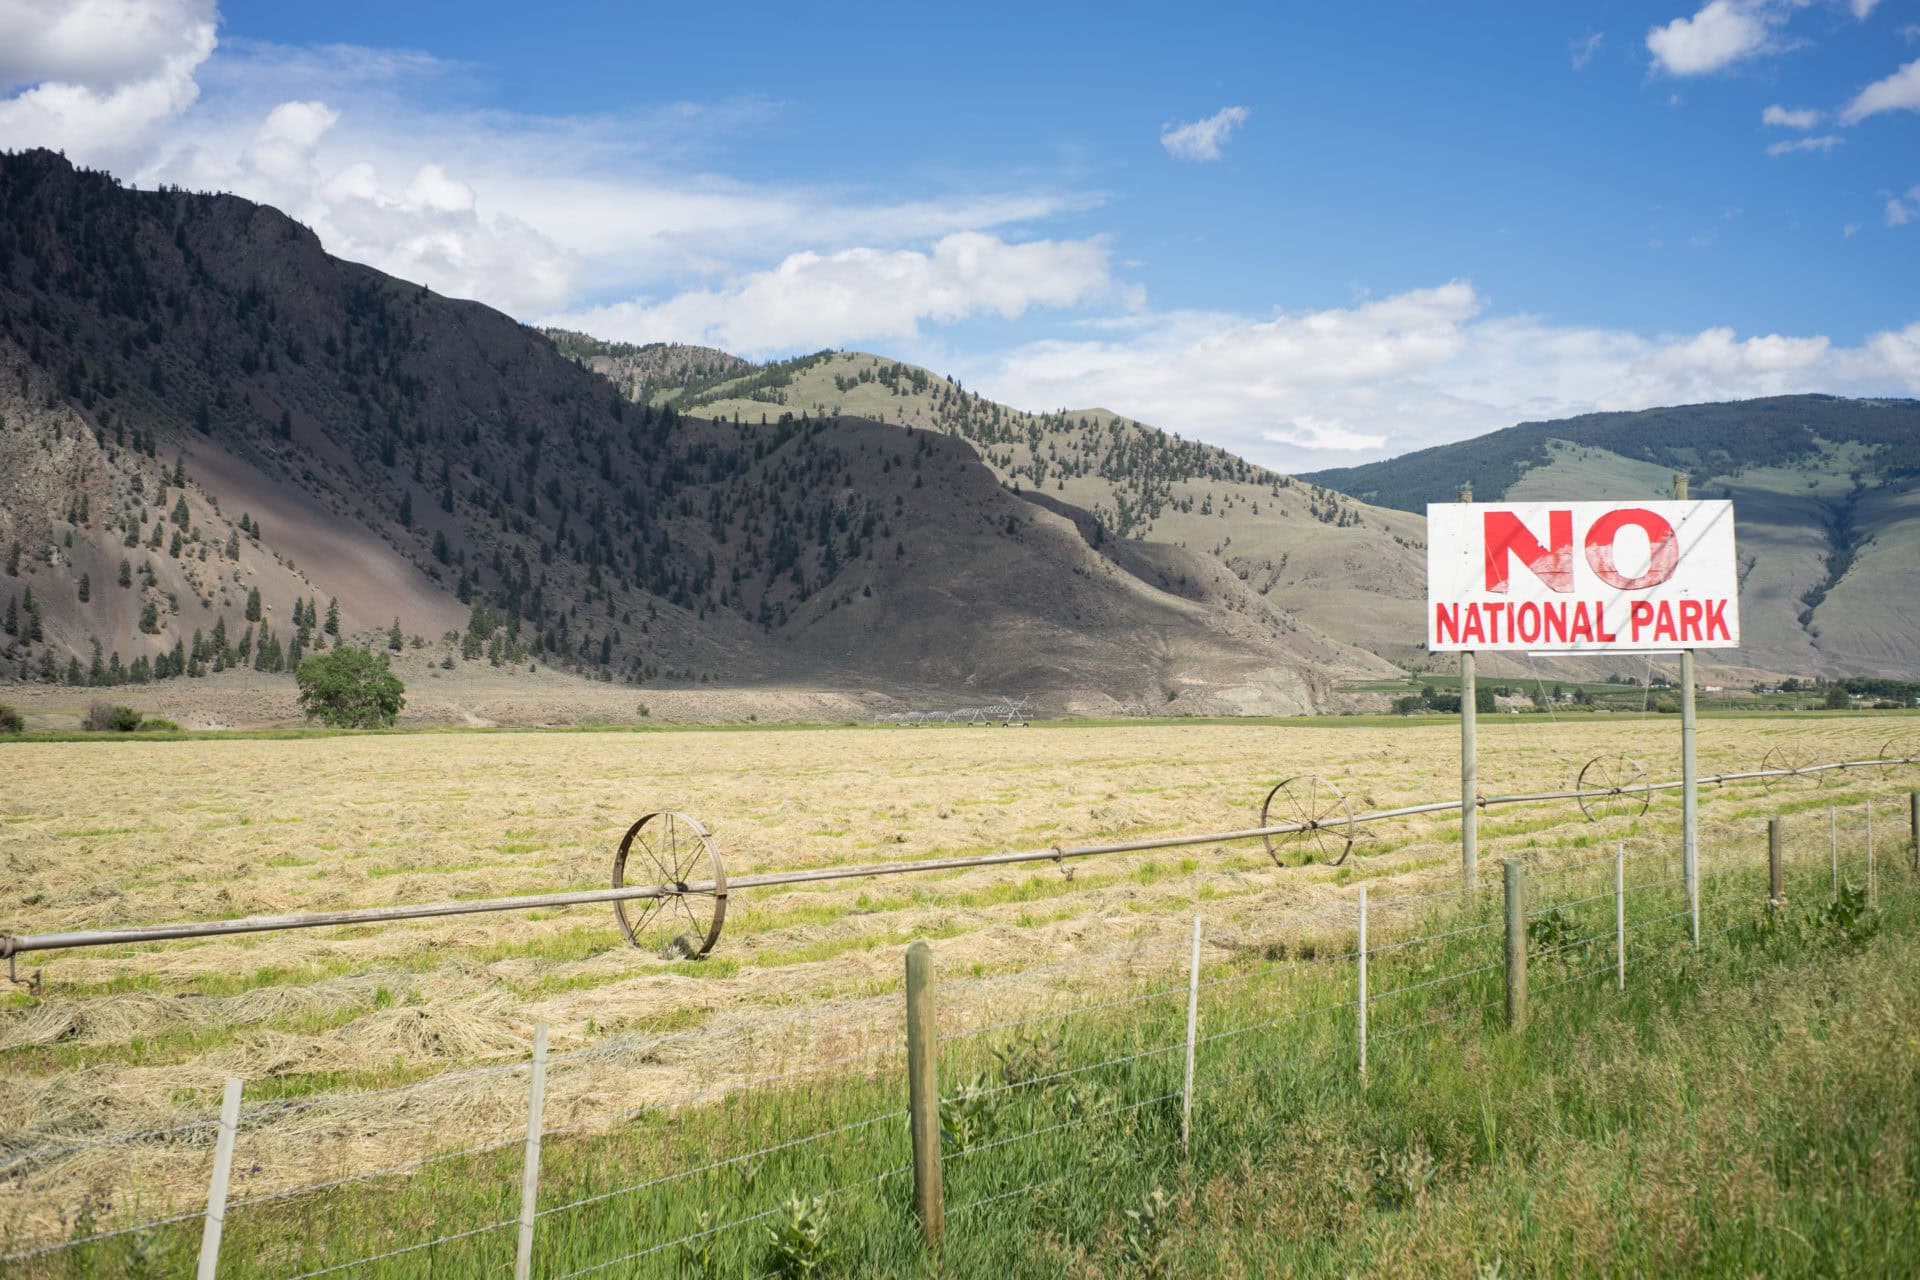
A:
x: 1139, y: 1049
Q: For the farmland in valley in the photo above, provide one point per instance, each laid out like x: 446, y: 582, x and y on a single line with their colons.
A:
x: 99, y: 835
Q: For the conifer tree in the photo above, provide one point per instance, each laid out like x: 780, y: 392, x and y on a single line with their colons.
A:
x: 253, y: 604
x: 126, y: 574
x: 86, y: 588
x: 333, y: 616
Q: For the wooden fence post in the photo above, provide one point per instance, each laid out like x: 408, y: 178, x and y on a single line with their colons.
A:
x: 923, y: 1094
x: 1516, y: 886
x: 216, y: 1219
x: 1193, y: 1026
x: 530, y: 1165
x: 1913, y: 807
x: 1776, y: 873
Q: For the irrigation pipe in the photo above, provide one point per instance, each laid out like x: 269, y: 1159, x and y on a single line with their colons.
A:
x: 12, y: 944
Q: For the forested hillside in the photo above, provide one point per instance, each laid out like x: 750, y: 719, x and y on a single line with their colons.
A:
x: 192, y: 386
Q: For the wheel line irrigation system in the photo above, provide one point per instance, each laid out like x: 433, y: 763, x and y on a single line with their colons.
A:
x: 717, y: 885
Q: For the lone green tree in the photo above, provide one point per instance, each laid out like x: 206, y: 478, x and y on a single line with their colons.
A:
x: 350, y: 688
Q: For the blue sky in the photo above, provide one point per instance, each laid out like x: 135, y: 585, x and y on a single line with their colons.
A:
x: 1314, y: 236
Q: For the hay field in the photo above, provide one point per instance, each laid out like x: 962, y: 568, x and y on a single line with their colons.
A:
x: 104, y: 834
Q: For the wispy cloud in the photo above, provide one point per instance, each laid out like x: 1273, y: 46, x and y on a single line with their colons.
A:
x: 1790, y: 117
x: 1898, y: 92
x: 1202, y: 139
x: 1824, y: 142
x: 1583, y: 48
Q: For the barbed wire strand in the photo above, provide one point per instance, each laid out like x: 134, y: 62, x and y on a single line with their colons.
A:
x: 690, y: 1237
x: 721, y: 1164
x: 40, y: 1251
x: 1055, y: 1128
x: 984, y: 1201
x: 401, y: 1252
x: 971, y: 1032
x: 1074, y: 1071
x: 1448, y: 1016
x: 1272, y: 1022
x: 1373, y: 996
x: 1283, y: 966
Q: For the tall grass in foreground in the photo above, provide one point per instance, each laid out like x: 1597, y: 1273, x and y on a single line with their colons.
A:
x: 1750, y: 1108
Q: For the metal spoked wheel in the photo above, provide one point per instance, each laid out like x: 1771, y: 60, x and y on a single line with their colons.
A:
x: 1791, y: 758
x: 666, y: 848
x: 1896, y: 753
x: 1325, y: 818
x: 1613, y: 787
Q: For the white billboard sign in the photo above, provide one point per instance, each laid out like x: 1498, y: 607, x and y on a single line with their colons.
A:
x: 1581, y: 577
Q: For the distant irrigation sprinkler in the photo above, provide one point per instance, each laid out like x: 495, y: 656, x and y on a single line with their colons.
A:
x: 1784, y: 763
x: 1320, y: 817
x: 674, y: 850
x: 1613, y: 787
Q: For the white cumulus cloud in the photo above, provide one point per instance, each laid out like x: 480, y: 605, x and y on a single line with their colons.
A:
x: 818, y: 300
x: 1202, y: 139
x: 102, y: 75
x: 1898, y: 92
x: 1717, y: 36
x: 1310, y: 389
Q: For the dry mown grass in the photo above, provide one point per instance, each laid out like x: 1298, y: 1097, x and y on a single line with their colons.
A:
x: 97, y: 835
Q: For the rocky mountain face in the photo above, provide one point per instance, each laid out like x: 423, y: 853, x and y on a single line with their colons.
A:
x: 220, y: 446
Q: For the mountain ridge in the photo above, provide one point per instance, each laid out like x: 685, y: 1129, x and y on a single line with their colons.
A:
x: 200, y: 370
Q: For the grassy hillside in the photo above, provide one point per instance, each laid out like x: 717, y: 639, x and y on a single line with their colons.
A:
x: 1333, y: 566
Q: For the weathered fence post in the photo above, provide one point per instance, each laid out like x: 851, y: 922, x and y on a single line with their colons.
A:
x: 1913, y: 813
x: 216, y: 1219
x: 530, y: 1165
x: 1361, y: 953
x: 1620, y: 913
x: 1776, y: 873
x: 923, y: 1094
x: 1193, y: 1027
x: 1516, y: 885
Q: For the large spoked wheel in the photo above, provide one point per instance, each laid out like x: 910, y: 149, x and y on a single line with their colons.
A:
x: 672, y: 850
x: 1789, y: 759
x: 1613, y: 787
x: 1325, y: 818
x: 1897, y: 753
